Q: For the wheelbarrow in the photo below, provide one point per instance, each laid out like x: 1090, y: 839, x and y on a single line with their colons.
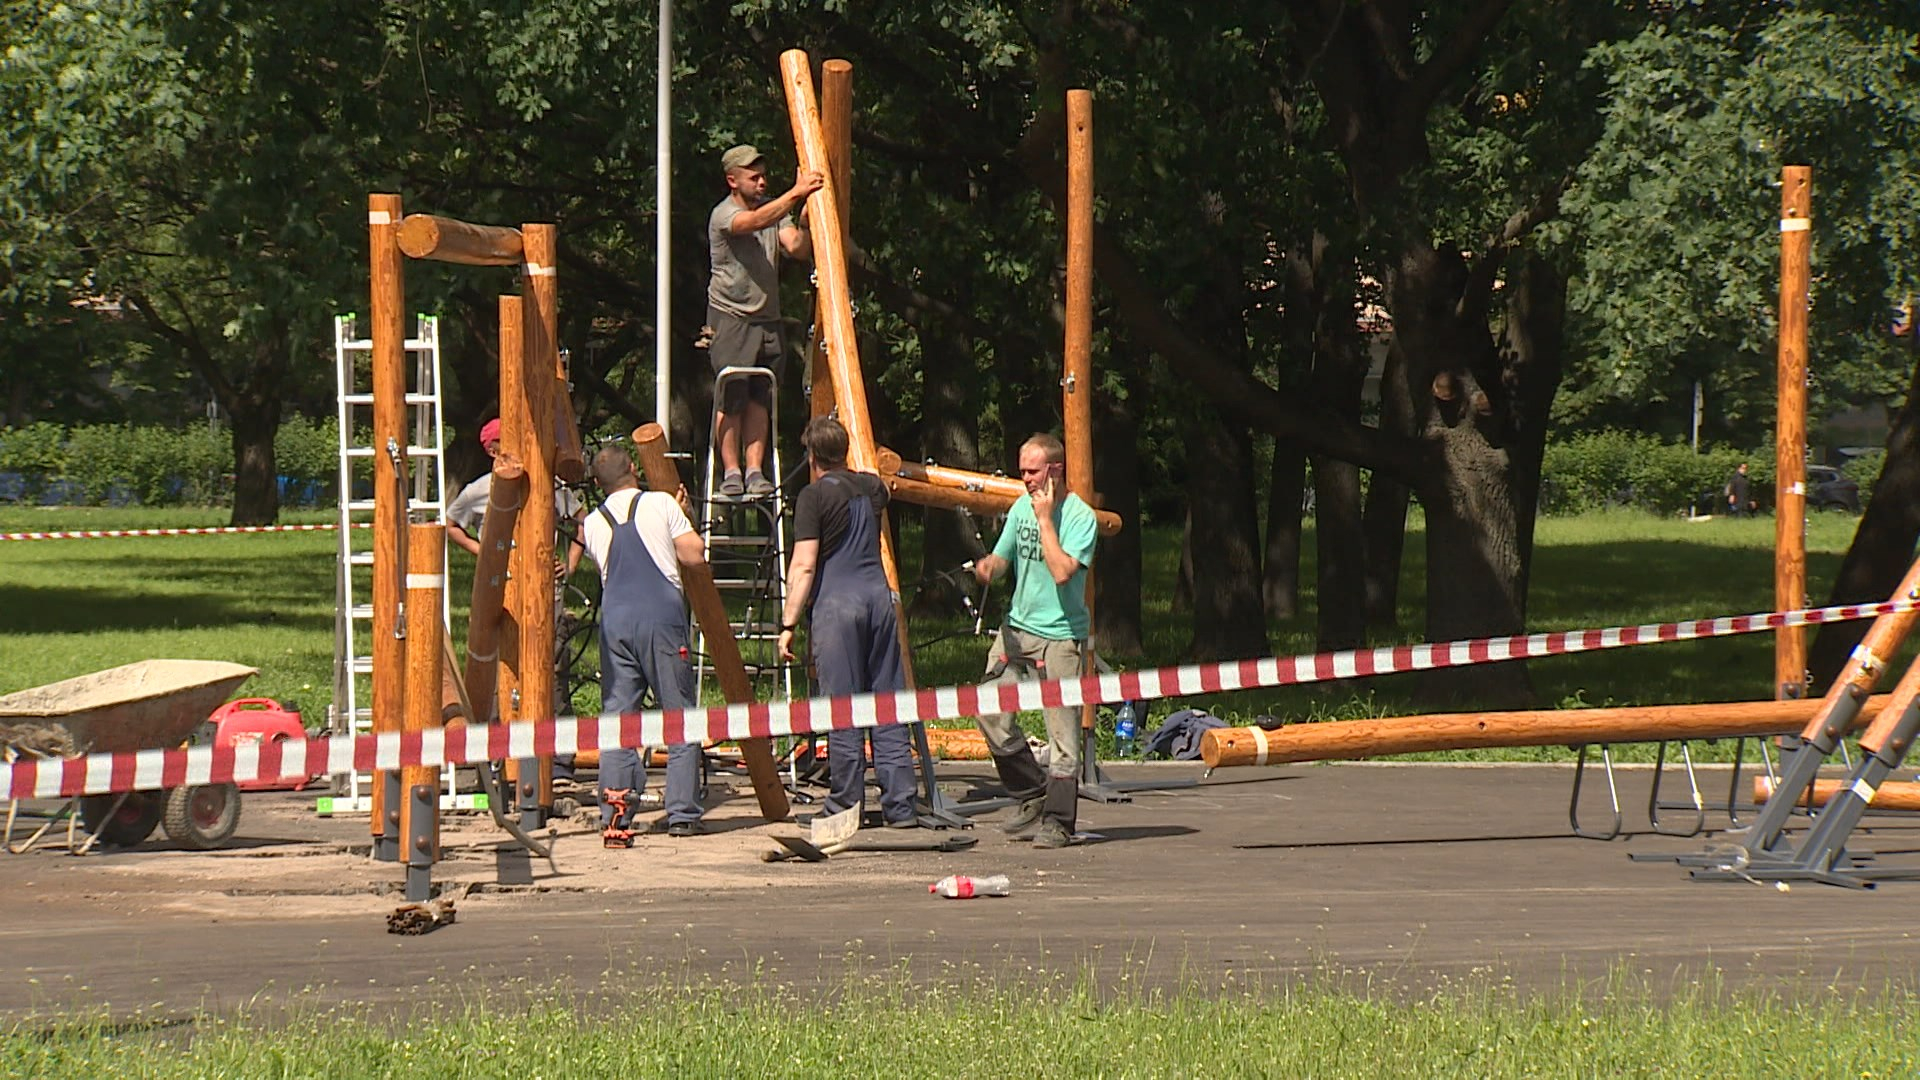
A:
x: 150, y: 705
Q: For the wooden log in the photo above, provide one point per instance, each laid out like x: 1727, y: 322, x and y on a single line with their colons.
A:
x: 507, y: 627
x: 533, y: 537
x: 1076, y: 387
x: 697, y: 583
x: 569, y: 458
x: 488, y: 604
x: 426, y: 580
x: 1883, y: 738
x: 1864, y: 666
x: 1790, y: 439
x: 836, y: 123
x: 1345, y: 739
x: 958, y: 489
x: 1892, y: 795
x: 389, y: 389
x: 444, y: 239
x: 836, y: 299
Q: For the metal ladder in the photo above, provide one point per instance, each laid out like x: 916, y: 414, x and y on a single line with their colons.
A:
x: 352, y: 793
x: 746, y: 544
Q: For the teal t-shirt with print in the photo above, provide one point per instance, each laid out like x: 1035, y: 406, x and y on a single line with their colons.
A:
x: 1039, y: 606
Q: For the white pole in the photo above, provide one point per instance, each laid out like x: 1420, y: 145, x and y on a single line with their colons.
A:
x: 662, y: 225
x: 1699, y: 406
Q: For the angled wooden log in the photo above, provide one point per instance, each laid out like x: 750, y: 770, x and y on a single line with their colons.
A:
x: 836, y: 122
x: 717, y: 630
x: 444, y: 239
x: 504, y: 499
x: 958, y: 489
x: 1346, y: 739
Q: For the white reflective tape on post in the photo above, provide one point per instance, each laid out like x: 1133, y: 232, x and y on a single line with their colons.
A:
x: 1796, y: 488
x: 537, y: 270
x: 1864, y: 790
x: 379, y: 217
x: 1795, y: 224
x: 1260, y: 741
x: 426, y: 581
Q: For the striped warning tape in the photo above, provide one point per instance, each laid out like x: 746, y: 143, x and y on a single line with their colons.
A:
x: 148, y: 769
x: 110, y: 534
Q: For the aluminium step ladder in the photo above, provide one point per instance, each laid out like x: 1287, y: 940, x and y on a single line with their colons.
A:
x: 351, y: 712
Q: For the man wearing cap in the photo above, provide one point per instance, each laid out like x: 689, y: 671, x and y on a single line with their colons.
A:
x: 640, y: 540
x: 746, y: 234
x: 468, y: 510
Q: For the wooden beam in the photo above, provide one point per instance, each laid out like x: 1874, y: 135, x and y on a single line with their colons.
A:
x: 426, y: 580
x: 1790, y: 440
x: 697, y: 583
x: 389, y: 389
x: 1076, y: 386
x: 533, y: 534
x: 979, y: 493
x: 569, y: 459
x: 1891, y: 795
x: 836, y: 122
x: 444, y: 239
x: 504, y: 498
x: 1346, y: 739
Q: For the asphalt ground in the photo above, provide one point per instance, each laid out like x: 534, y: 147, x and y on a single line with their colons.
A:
x: 1395, y: 878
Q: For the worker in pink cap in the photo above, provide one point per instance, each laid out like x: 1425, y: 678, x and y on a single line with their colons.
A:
x: 469, y: 508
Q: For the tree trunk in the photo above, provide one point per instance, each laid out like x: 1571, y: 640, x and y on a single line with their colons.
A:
x: 1280, y: 573
x: 1228, y: 620
x: 1182, y: 602
x: 1340, y: 556
x: 1118, y: 569
x: 1386, y: 513
x: 256, y: 481
x: 948, y: 435
x: 1882, y: 547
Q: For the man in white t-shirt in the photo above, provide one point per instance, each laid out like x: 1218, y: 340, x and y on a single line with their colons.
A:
x: 467, y: 513
x: 639, y: 540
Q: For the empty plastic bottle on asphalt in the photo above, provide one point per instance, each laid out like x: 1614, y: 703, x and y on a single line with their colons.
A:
x: 962, y: 887
x: 1126, y: 727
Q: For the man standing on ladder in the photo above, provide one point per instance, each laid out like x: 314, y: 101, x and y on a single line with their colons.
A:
x: 639, y: 540
x: 746, y: 234
x: 1048, y: 540
x: 852, y: 632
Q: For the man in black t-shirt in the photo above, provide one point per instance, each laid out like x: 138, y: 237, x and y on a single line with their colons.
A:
x: 836, y: 575
x: 1739, y: 493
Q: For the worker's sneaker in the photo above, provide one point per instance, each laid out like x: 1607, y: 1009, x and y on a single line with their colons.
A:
x: 903, y: 823
x: 1051, y: 834
x: 732, y: 486
x: 758, y: 485
x: 1026, y: 814
x: 684, y: 828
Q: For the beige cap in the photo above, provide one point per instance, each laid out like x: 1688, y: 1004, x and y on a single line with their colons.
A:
x: 740, y: 157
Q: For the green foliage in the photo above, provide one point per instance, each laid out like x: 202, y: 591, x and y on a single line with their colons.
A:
x: 35, y: 451
x: 157, y: 466
x: 1594, y: 470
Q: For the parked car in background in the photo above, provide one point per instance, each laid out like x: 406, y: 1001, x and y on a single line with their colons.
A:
x: 1830, y: 489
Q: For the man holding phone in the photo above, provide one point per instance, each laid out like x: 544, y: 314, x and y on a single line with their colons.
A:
x: 1048, y: 543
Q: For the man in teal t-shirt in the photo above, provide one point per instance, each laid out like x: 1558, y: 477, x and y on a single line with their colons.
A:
x: 1048, y: 542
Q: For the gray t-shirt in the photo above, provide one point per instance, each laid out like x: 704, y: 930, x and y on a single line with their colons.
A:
x: 746, y: 269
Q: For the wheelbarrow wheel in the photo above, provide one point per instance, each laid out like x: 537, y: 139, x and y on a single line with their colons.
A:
x: 202, y: 816
x: 126, y: 825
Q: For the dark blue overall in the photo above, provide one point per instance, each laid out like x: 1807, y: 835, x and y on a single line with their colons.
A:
x: 643, y: 641
x: 856, y: 648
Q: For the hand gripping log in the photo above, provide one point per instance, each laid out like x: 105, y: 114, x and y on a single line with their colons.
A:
x: 697, y: 583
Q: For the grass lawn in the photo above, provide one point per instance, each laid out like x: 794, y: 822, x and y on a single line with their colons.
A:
x: 876, y: 1029
x: 72, y: 606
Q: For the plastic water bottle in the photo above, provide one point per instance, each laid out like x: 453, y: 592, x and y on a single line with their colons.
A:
x: 1126, y: 727
x: 962, y: 887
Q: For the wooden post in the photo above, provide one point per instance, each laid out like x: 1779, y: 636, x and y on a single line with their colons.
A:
x: 843, y: 350
x: 426, y: 580
x: 443, y: 239
x: 1790, y: 446
x: 836, y: 122
x: 697, y: 583
x: 505, y: 496
x: 389, y: 388
x: 513, y: 437
x: 1345, y: 739
x: 1077, y: 385
x: 533, y: 536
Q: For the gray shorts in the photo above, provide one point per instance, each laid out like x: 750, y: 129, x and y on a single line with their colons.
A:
x: 739, y: 343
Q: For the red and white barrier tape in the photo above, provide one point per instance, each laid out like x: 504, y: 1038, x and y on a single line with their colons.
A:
x: 110, y: 534
x: 149, y: 769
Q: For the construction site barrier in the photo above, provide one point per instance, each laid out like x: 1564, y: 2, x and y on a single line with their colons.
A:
x: 153, y: 769
x: 211, y: 530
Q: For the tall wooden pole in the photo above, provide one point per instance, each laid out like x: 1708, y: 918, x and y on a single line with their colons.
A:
x: 650, y: 440
x: 389, y: 387
x: 836, y: 122
x: 1790, y: 448
x: 513, y: 426
x: 843, y: 350
x: 533, y: 535
x: 1077, y: 385
x: 505, y: 497
x: 420, y: 808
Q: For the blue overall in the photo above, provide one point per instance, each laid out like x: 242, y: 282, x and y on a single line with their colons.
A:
x: 856, y: 648
x: 643, y: 642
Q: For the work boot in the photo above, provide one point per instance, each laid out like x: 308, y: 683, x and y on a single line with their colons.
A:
x: 1057, y: 814
x: 1024, y: 780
